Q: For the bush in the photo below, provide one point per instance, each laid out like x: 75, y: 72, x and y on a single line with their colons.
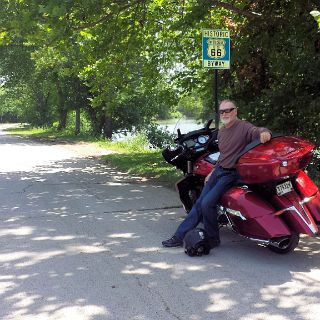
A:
x: 314, y: 168
x: 158, y: 137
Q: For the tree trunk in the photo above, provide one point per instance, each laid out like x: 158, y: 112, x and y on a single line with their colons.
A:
x: 106, y: 127
x: 77, y: 129
x: 101, y: 123
x: 61, y: 109
x: 62, y: 120
x: 93, y: 116
x: 42, y: 102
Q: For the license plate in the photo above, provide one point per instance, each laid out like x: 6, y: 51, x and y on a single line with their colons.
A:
x: 284, y: 188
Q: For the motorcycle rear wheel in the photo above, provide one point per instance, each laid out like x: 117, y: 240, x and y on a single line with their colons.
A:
x: 287, y: 245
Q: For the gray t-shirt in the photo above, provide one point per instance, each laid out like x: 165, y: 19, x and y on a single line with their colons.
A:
x: 233, y: 140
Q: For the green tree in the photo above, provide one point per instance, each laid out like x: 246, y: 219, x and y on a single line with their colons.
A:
x: 134, y: 59
x: 277, y: 57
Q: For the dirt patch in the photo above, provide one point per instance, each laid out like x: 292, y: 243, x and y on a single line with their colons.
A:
x: 85, y: 149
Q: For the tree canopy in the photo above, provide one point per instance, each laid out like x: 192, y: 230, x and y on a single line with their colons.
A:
x: 124, y: 63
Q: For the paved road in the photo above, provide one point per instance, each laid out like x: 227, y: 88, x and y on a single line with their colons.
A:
x: 79, y: 240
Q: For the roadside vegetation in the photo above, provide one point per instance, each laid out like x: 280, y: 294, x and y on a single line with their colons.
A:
x: 134, y: 155
x: 126, y: 64
x: 122, y: 65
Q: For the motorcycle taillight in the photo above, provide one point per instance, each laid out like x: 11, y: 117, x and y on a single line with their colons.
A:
x: 305, y: 186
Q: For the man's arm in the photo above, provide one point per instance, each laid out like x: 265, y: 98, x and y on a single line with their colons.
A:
x: 261, y: 133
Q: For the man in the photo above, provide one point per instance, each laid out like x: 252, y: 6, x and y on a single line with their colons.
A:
x: 233, y: 137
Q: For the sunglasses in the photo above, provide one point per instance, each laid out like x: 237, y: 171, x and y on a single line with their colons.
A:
x: 226, y: 110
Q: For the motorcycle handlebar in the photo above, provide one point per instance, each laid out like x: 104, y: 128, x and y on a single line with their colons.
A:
x: 184, y: 151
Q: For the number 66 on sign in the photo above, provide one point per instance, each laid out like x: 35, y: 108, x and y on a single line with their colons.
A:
x: 216, y: 49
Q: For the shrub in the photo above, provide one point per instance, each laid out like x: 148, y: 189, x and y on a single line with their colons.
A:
x: 158, y: 137
x: 314, y: 168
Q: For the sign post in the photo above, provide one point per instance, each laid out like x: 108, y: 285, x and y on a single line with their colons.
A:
x: 216, y: 55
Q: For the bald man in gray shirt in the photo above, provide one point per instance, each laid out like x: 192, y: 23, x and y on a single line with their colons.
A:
x: 233, y: 137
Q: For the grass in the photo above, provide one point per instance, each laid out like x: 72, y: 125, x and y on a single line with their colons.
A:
x: 131, y: 155
x: 50, y: 133
x: 148, y: 164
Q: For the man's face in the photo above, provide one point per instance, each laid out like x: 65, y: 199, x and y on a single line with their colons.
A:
x: 228, y: 112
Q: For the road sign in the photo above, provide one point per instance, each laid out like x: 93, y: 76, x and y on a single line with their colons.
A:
x: 216, y: 49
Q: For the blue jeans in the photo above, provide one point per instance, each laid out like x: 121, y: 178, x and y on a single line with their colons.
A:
x: 205, y: 208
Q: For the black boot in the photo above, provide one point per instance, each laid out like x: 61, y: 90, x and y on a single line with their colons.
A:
x: 172, y: 242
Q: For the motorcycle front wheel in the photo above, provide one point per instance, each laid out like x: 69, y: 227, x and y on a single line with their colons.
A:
x: 286, y: 245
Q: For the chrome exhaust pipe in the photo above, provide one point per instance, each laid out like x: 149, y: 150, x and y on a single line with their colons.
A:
x: 281, y: 243
x: 260, y: 241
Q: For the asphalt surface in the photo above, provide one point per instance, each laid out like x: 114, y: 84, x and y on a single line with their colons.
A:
x: 79, y: 240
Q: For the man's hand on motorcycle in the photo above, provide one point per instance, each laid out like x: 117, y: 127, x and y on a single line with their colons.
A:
x: 265, y: 136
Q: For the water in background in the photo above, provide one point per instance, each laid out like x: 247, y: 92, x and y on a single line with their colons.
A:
x: 185, y: 125
x: 172, y: 125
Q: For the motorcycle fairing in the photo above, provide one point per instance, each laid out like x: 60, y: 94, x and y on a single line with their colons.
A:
x: 203, y: 166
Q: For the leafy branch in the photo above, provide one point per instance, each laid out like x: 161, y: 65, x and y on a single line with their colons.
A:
x: 106, y: 17
x: 233, y: 8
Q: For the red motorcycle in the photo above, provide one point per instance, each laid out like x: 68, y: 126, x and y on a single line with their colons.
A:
x: 274, y: 202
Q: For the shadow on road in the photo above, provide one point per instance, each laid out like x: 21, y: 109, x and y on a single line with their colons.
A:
x: 79, y: 240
